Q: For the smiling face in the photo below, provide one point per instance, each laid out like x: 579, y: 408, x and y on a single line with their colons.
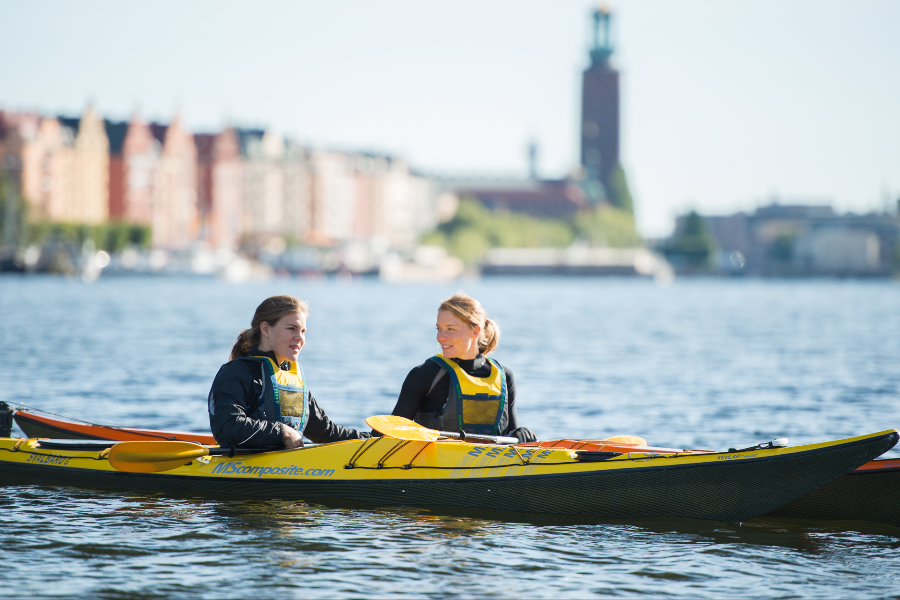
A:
x: 285, y: 338
x: 457, y: 338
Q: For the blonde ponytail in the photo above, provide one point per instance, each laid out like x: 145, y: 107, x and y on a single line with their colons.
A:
x: 490, y: 336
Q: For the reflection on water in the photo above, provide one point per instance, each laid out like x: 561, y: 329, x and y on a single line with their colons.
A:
x: 132, y: 546
x: 700, y: 364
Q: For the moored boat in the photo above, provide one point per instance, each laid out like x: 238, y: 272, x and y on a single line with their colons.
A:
x: 730, y: 486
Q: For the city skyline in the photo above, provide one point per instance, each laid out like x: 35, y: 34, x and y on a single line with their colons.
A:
x: 722, y: 106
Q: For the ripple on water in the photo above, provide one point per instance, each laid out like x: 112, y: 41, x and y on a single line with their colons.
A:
x: 700, y: 364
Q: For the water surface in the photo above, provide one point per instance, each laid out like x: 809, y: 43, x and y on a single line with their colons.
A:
x: 702, y: 364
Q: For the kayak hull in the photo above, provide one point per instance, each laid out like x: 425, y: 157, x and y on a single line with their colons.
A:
x: 729, y: 487
x: 869, y: 493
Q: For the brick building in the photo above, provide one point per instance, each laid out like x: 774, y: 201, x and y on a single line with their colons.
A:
x: 554, y: 199
x: 176, y: 219
x: 134, y: 155
x: 220, y: 188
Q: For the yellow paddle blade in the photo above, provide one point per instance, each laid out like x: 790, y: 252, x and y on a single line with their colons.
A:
x: 153, y: 457
x: 401, y: 429
x: 626, y: 439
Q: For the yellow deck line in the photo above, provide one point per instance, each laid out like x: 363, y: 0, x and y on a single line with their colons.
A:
x: 461, y: 460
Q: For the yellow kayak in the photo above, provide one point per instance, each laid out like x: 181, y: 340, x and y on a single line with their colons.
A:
x: 730, y: 486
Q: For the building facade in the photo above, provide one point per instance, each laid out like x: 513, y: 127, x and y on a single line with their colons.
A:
x: 220, y: 189
x: 227, y: 190
x: 134, y: 158
x: 334, y: 197
x: 25, y: 144
x: 86, y: 159
x: 176, y: 218
x: 804, y: 240
x: 297, y: 193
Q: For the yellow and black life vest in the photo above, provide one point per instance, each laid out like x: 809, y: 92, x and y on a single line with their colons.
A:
x: 474, y: 404
x: 284, y: 396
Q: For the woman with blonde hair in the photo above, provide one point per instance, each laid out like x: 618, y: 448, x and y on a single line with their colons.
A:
x: 462, y: 388
x: 259, y: 399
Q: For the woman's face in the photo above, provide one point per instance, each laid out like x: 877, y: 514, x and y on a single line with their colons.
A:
x: 457, y: 338
x: 285, y: 338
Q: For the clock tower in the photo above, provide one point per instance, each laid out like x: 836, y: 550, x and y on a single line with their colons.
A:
x: 600, y: 104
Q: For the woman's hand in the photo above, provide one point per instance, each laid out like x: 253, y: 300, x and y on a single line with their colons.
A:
x: 292, y: 438
x: 524, y: 435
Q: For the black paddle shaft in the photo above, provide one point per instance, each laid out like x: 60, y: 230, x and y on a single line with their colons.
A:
x: 478, y: 438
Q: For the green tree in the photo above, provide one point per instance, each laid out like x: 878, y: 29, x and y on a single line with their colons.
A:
x: 782, y: 247
x: 694, y: 245
x: 468, y: 244
x: 618, y: 192
x: 607, y: 226
x: 470, y: 214
x: 140, y: 235
x: 13, y: 214
x: 111, y: 236
x: 474, y: 229
x: 515, y: 230
x: 116, y: 236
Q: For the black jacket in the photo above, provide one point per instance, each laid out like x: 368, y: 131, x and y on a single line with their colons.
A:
x: 233, y: 396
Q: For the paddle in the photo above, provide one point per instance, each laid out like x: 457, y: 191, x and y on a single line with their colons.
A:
x: 157, y: 456
x: 404, y: 429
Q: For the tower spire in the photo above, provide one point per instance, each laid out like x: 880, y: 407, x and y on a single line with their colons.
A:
x: 601, y: 38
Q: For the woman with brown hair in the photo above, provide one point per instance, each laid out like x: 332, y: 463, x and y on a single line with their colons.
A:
x: 463, y: 388
x: 259, y: 399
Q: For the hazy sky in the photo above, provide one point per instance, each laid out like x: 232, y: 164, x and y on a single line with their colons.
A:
x: 724, y: 104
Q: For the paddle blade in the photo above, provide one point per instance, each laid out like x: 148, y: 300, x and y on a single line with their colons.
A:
x: 153, y: 457
x: 627, y: 439
x: 401, y: 429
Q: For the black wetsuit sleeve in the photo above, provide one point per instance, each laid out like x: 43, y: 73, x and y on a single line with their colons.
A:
x: 512, y: 428
x: 511, y: 399
x: 414, y: 393
x: 233, y: 395
x: 321, y: 429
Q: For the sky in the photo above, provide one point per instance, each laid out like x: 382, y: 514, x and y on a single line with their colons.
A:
x: 725, y: 105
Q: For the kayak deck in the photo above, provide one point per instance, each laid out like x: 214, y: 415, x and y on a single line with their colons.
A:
x: 36, y: 424
x: 386, y: 472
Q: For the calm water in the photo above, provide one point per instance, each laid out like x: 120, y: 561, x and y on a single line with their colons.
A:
x: 703, y: 364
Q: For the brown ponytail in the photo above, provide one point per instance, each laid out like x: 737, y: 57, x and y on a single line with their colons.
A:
x: 269, y: 311
x: 469, y: 310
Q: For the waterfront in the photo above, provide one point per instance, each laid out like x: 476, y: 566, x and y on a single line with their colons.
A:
x: 702, y: 363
